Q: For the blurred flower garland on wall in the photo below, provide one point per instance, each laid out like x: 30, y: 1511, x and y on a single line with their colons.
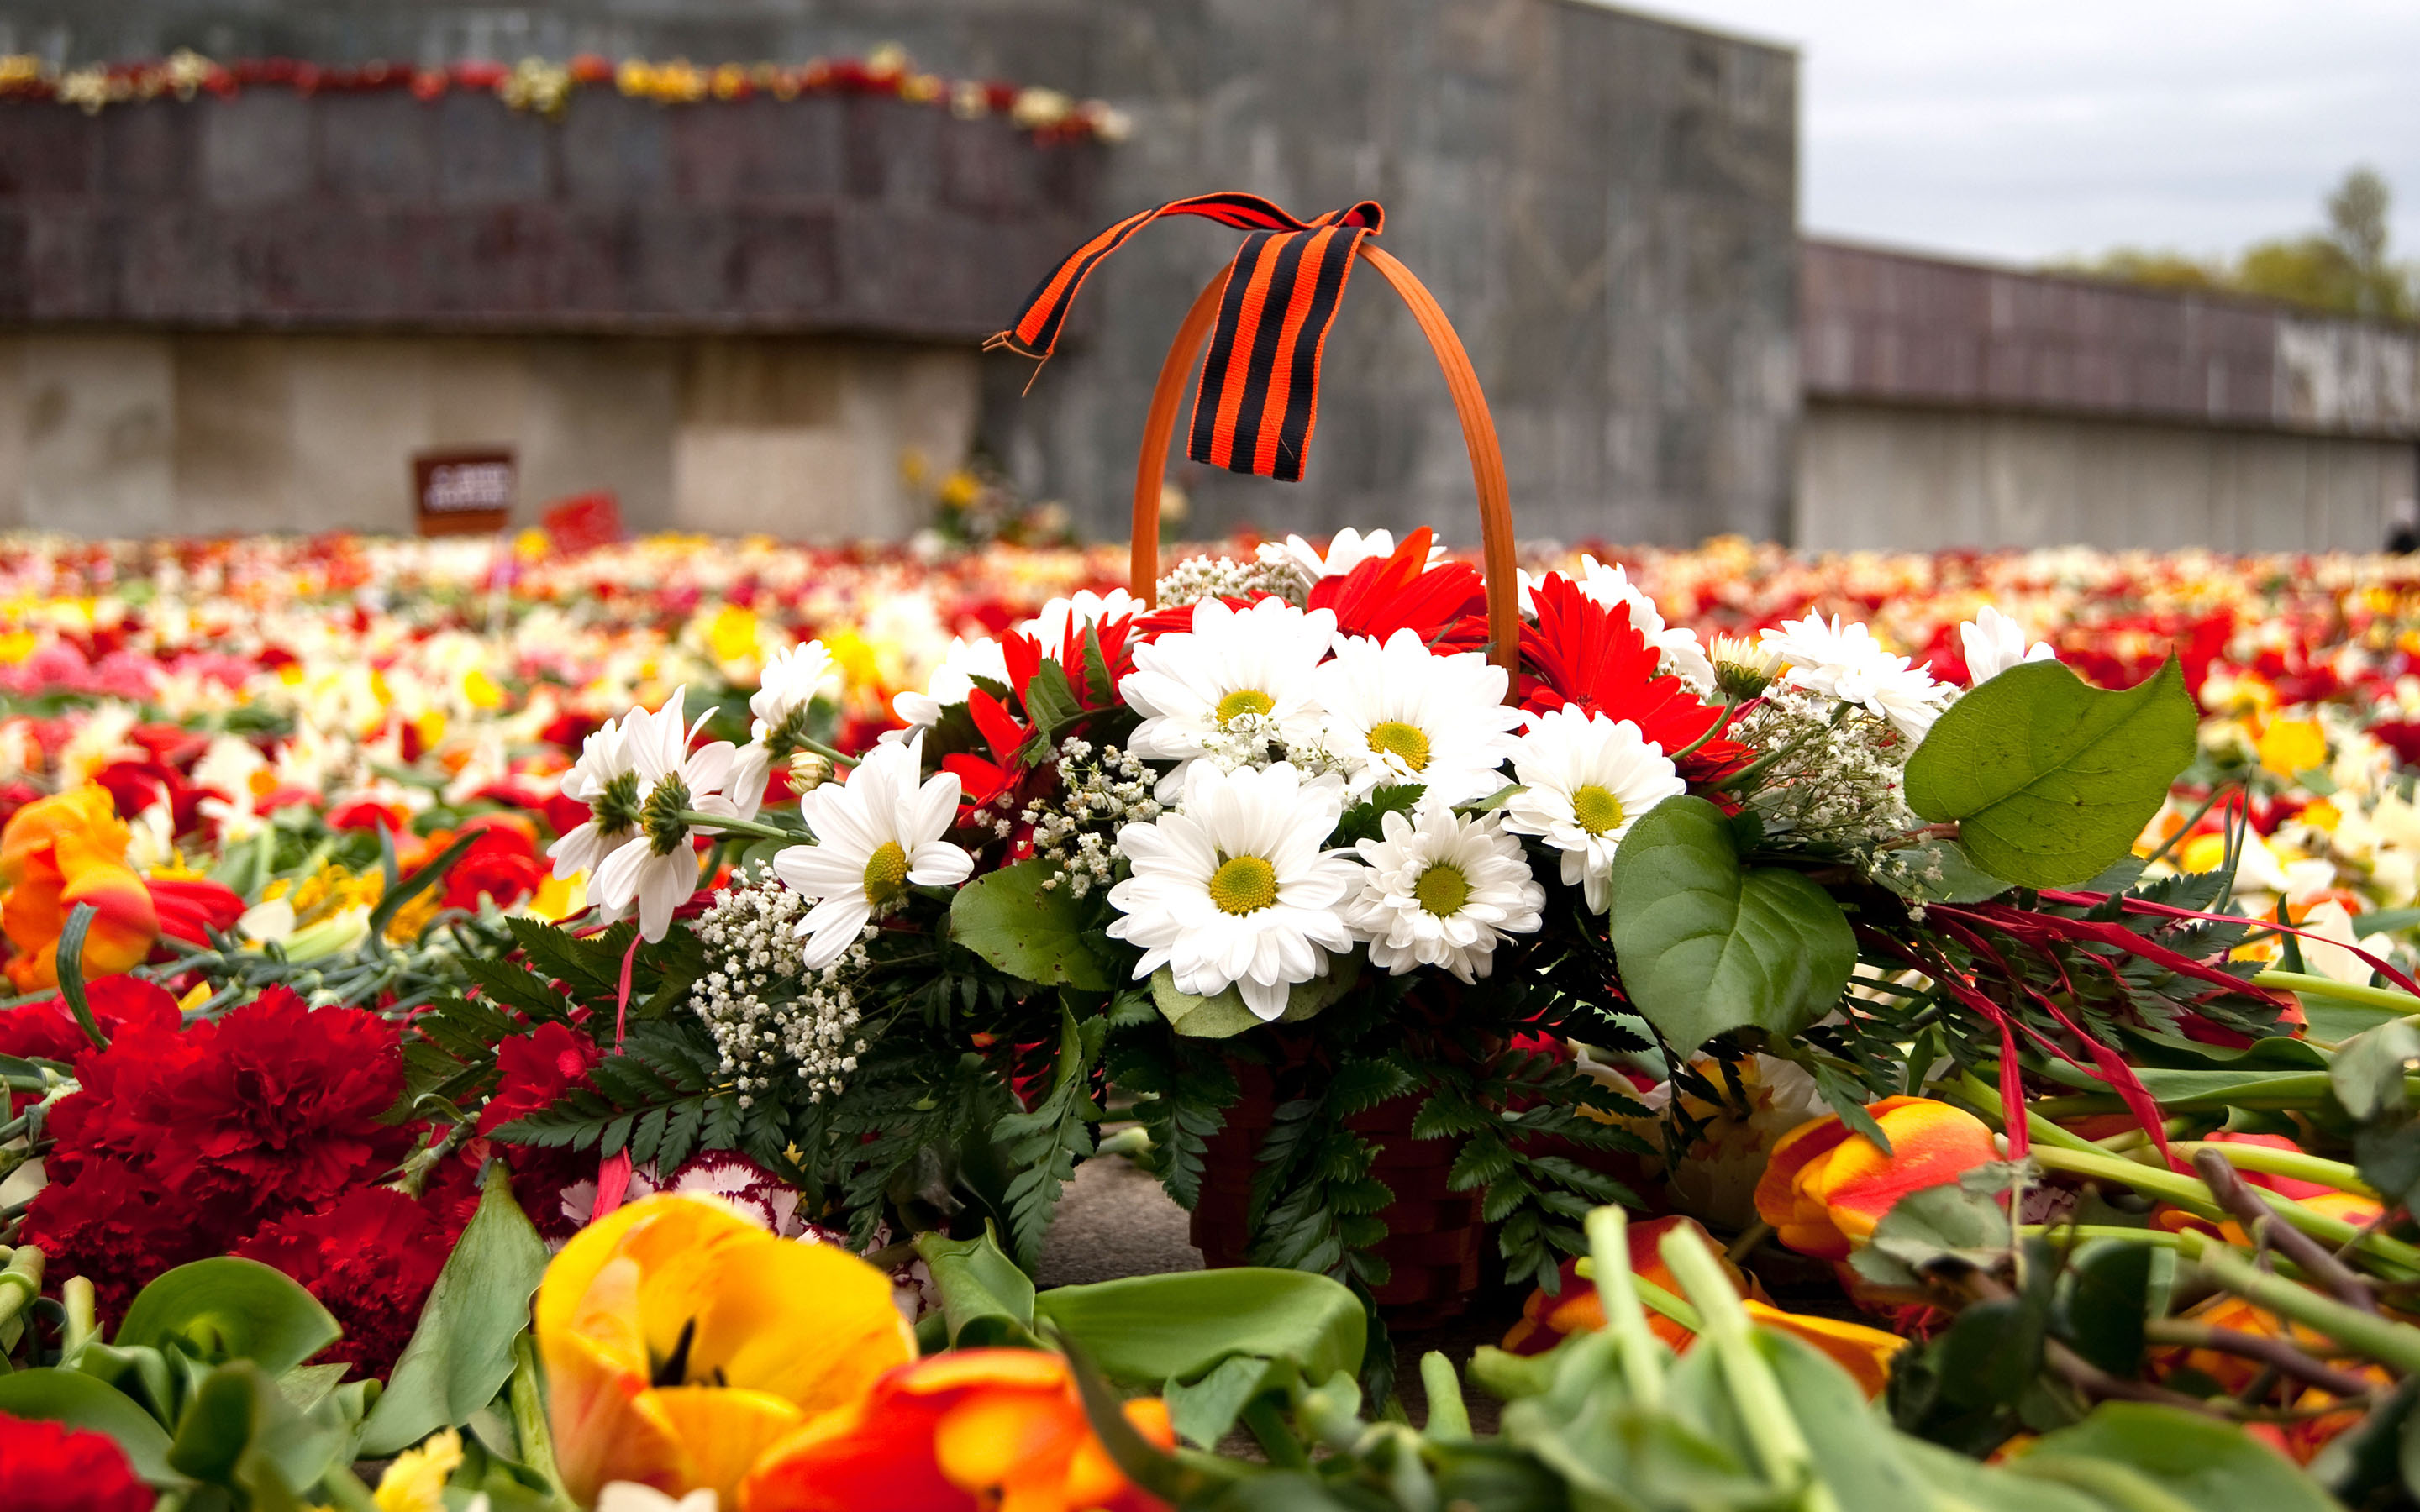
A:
x: 545, y: 87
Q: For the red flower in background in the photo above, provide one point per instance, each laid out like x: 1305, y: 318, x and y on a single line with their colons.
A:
x: 191, y: 907
x: 49, y: 1467
x: 1581, y: 653
x: 1446, y: 603
x: 502, y: 863
x: 370, y: 1258
x: 45, y: 1030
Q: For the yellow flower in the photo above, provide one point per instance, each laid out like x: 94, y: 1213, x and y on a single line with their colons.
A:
x: 416, y: 1481
x: 681, y: 1340
x: 2292, y: 746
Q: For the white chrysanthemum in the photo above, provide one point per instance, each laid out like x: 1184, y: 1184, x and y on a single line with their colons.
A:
x: 1064, y: 618
x: 950, y: 683
x: 875, y: 835
x: 1398, y: 714
x: 1236, y: 888
x: 1993, y: 643
x: 1235, y: 671
x: 656, y: 869
x: 1847, y: 663
x: 1441, y: 890
x: 1609, y: 586
x: 1585, y: 780
x: 1346, y: 549
x: 793, y: 679
x: 602, y: 779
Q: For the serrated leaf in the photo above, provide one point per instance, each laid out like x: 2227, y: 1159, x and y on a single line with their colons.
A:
x: 2049, y: 779
x: 1706, y: 945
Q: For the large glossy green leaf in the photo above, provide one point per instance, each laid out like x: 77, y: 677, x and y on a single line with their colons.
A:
x: 1707, y: 944
x: 1039, y: 934
x: 1150, y: 1329
x: 73, y: 1397
x: 2202, y: 1463
x: 461, y: 1353
x: 986, y: 1299
x: 1225, y: 1016
x: 2049, y: 779
x: 225, y: 1308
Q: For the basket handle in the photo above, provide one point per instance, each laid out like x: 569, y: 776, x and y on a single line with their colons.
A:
x: 1497, y: 564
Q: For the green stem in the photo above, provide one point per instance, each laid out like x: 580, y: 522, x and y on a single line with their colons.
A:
x: 529, y: 1427
x: 2396, y: 1346
x: 1449, y: 1414
x: 2318, y: 986
x: 1617, y: 1294
x: 2292, y: 1163
x: 2194, y: 1197
x: 836, y: 758
x: 1276, y: 1439
x: 76, y: 1297
x: 21, y: 1282
x: 738, y: 827
x: 346, y: 1493
x: 1764, y: 1412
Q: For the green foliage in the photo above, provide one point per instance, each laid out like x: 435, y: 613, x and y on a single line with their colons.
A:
x: 1182, y: 1090
x: 462, y: 1351
x: 1708, y: 944
x: 1225, y: 1016
x: 986, y: 1299
x: 1042, y: 1146
x: 2048, y: 777
x: 1036, y: 932
x: 225, y: 1308
x: 1366, y: 820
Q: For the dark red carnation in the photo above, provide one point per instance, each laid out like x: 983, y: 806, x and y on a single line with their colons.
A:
x: 537, y: 1069
x: 49, y: 1467
x: 280, y: 1107
x: 370, y: 1258
x: 116, y: 1225
x: 45, y: 1030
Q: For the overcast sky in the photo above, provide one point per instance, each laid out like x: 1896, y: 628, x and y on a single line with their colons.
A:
x: 2023, y: 130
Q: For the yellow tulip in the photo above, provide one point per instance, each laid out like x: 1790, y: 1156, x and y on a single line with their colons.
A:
x: 681, y: 1339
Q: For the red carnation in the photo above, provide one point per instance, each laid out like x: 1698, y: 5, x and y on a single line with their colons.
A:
x: 1581, y: 653
x: 370, y: 1258
x: 119, y: 1228
x: 50, y: 1467
x: 536, y: 1070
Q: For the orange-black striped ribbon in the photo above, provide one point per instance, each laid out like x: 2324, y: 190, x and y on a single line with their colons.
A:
x: 1258, y: 397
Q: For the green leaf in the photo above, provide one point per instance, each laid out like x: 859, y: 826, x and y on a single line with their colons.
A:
x: 1035, y: 934
x: 1936, y: 1223
x: 1367, y: 819
x: 2201, y: 1462
x: 984, y: 1297
x: 2367, y: 1073
x: 1151, y: 1329
x: 2111, y: 1296
x: 1203, y: 1411
x: 77, y: 1399
x: 1705, y: 945
x: 2049, y: 779
x: 1939, y: 872
x: 225, y: 1308
x: 1225, y: 1016
x: 241, y: 1433
x: 461, y: 1355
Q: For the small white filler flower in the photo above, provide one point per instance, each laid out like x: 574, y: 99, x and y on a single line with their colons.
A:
x: 876, y: 835
x: 1236, y: 888
x: 1993, y: 643
x: 1847, y: 663
x: 1399, y: 715
x: 1585, y: 780
x: 1441, y: 890
x: 656, y: 869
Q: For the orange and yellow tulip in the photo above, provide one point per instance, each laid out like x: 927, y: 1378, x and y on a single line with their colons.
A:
x: 58, y: 851
x: 1865, y: 1353
x: 1827, y: 1187
x: 682, y: 1339
x: 973, y: 1431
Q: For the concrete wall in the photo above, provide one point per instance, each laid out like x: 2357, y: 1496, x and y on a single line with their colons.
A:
x: 1603, y: 203
x: 119, y: 433
x: 1921, y: 479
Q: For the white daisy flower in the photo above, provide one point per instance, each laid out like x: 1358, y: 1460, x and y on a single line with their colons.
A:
x: 1400, y: 715
x: 1441, y: 890
x: 604, y: 782
x: 1847, y: 663
x: 793, y: 679
x: 1585, y: 780
x: 1610, y: 586
x: 1238, y: 673
x: 654, y: 871
x: 1346, y: 549
x: 876, y: 835
x: 1234, y: 890
x: 1058, y: 629
x: 1993, y: 643
x: 951, y: 681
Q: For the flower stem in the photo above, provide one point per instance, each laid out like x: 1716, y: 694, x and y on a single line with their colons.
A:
x: 2290, y: 1163
x: 2396, y: 1346
x: 2195, y: 1197
x: 1617, y: 1291
x: 530, y: 1428
x: 1449, y: 1414
x: 1764, y: 1412
x: 738, y: 827
x: 2318, y: 986
x: 77, y: 1298
x: 827, y: 753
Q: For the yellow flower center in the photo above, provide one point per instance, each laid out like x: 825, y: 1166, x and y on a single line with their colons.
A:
x: 1404, y: 742
x: 1597, y: 809
x: 1245, y: 885
x: 886, y: 872
x: 1442, y: 890
x: 1242, y: 702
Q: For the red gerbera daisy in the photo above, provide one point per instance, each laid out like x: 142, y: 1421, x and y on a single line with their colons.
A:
x: 1581, y: 653
x: 1446, y: 603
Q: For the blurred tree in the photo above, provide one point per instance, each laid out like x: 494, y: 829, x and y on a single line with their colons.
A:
x: 2344, y: 269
